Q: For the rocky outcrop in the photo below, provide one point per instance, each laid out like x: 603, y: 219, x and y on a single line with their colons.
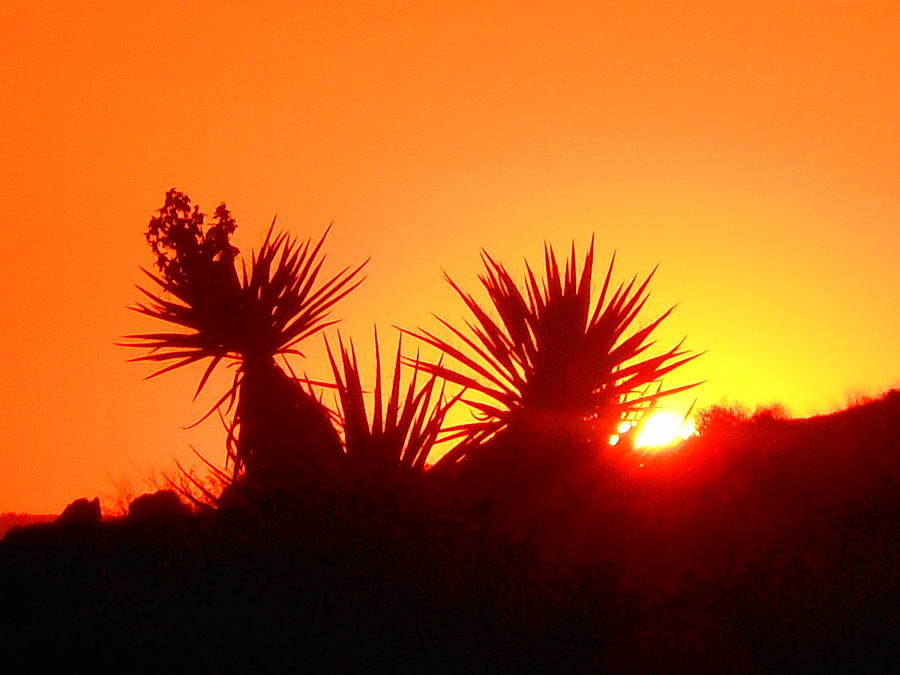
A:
x: 81, y: 511
x: 163, y: 506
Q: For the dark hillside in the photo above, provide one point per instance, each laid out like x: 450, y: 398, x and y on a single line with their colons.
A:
x: 764, y: 483
x: 772, y: 545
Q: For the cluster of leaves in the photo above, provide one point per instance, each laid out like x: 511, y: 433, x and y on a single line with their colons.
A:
x: 403, y: 428
x: 185, y: 248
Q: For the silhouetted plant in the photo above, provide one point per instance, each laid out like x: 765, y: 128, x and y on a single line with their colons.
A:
x: 770, y: 413
x: 720, y: 417
x: 556, y: 364
x: 405, y: 421
x: 279, y: 432
x: 205, y: 491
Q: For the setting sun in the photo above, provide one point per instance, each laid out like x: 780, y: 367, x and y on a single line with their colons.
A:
x: 664, y: 428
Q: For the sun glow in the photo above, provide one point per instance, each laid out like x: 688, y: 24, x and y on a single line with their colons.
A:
x: 663, y: 428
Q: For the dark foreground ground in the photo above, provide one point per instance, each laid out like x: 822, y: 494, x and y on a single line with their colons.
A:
x: 769, y: 546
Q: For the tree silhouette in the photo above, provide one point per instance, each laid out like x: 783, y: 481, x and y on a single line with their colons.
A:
x: 279, y: 433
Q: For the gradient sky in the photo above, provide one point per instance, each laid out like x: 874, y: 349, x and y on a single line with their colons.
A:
x: 752, y: 149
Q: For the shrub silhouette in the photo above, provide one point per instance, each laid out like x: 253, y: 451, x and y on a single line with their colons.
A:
x: 720, y: 418
x: 279, y: 435
x: 395, y: 443
x: 557, y: 367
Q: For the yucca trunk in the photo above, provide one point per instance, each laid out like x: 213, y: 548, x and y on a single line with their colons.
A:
x: 285, y: 437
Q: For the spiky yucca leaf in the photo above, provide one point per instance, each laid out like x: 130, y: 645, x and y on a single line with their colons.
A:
x: 554, y: 360
x: 403, y: 427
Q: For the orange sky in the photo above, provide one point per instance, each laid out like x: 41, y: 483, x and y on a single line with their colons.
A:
x: 753, y: 149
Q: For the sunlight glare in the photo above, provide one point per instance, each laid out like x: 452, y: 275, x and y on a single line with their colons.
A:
x: 664, y: 428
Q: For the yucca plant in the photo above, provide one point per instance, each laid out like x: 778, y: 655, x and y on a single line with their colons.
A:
x: 551, y: 364
x: 279, y: 433
x: 393, y: 442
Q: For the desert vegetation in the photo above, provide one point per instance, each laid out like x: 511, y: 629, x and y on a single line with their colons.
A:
x: 558, y: 368
x: 336, y: 538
